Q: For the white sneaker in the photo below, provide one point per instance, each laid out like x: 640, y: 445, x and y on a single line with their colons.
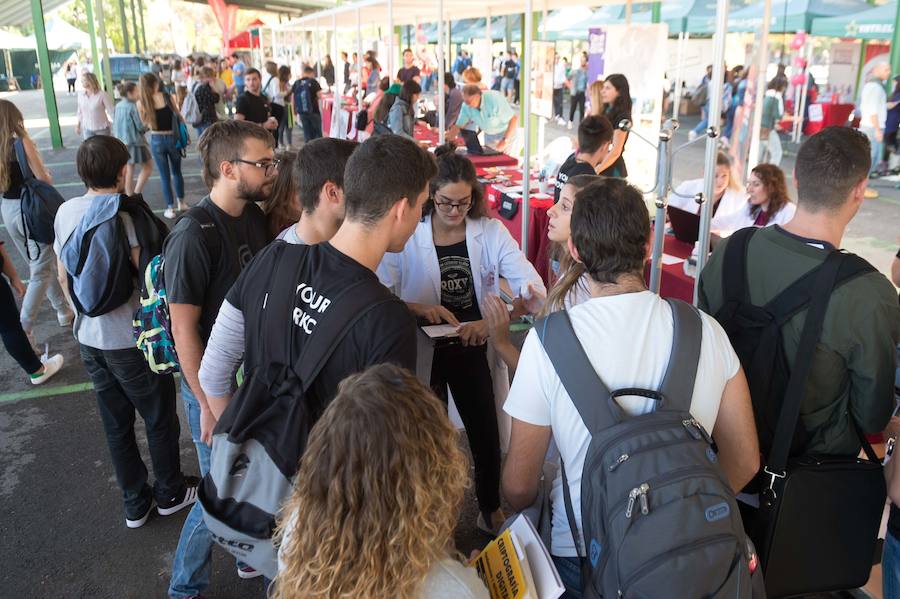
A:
x: 691, y: 136
x: 169, y: 213
x: 52, y: 365
x: 569, y: 126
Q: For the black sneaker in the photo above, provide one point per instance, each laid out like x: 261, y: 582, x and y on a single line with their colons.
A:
x: 176, y: 504
x: 140, y: 520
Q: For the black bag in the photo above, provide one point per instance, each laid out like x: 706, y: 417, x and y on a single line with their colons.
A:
x: 39, y: 203
x: 261, y: 436
x: 817, y: 524
x: 362, y: 120
x: 509, y: 206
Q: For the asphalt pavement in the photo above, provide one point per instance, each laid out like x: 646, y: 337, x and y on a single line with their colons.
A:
x: 61, y: 520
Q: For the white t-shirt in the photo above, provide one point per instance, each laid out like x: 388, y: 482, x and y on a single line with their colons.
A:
x: 743, y: 218
x: 732, y: 201
x: 273, y: 91
x: 873, y: 101
x: 559, y: 75
x: 628, y: 339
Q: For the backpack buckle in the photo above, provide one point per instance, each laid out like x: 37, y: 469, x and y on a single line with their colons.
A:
x: 773, y: 476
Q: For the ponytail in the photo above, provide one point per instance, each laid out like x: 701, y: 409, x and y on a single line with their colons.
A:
x: 572, y: 273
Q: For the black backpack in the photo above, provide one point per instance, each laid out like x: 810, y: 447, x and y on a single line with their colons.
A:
x: 362, y: 119
x: 261, y: 436
x: 755, y: 333
x: 39, y: 203
x: 658, y: 515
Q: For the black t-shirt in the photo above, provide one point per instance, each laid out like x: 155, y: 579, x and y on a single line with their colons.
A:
x: 192, y: 276
x: 386, y: 333
x: 405, y: 74
x: 509, y: 69
x: 457, y: 281
x: 618, y: 168
x: 570, y: 168
x: 254, y: 108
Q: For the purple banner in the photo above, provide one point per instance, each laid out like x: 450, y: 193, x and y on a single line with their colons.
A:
x: 596, y: 53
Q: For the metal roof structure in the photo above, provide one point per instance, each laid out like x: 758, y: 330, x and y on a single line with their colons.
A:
x: 18, y: 12
x: 289, y: 7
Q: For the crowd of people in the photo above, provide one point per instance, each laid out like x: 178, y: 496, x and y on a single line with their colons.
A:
x: 314, y: 267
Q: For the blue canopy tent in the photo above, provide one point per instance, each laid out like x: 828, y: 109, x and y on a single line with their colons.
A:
x: 465, y: 30
x: 873, y: 24
x: 787, y: 15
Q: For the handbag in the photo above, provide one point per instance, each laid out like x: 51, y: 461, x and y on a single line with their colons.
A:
x: 817, y: 525
x: 509, y: 206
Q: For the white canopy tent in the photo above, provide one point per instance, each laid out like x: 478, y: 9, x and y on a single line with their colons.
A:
x: 391, y: 13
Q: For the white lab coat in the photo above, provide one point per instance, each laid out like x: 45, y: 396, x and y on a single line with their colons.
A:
x: 732, y: 201
x: 415, y: 276
x: 743, y: 219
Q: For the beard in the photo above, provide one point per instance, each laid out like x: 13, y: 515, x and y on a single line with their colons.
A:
x: 260, y: 193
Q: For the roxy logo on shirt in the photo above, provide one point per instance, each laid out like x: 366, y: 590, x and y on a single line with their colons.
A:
x: 315, y: 304
x: 456, y: 283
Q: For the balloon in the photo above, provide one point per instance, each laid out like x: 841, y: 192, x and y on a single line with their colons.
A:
x: 798, y: 40
x: 798, y: 79
x: 799, y: 62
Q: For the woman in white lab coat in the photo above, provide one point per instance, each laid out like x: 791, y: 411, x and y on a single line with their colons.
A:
x: 728, y: 196
x: 442, y: 274
x: 767, y: 203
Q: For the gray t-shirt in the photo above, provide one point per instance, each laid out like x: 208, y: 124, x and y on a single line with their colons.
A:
x: 290, y: 235
x: 112, y: 330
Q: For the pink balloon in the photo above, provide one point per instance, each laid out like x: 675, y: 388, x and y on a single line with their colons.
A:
x: 798, y: 40
x: 798, y: 79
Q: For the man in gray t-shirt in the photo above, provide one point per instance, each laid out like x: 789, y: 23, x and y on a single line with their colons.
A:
x: 122, y: 379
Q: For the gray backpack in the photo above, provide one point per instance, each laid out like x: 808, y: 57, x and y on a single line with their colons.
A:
x: 658, y: 516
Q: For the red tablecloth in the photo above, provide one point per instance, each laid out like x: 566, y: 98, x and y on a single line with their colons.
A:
x: 831, y: 114
x: 424, y: 133
x: 326, y: 107
x: 674, y: 283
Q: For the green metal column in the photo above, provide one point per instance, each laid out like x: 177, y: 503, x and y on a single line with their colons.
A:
x: 525, y: 71
x: 895, y: 45
x: 124, y: 26
x: 95, y: 58
x: 656, y: 12
x: 134, y: 27
x: 143, y: 29
x: 40, y: 38
x: 104, y: 47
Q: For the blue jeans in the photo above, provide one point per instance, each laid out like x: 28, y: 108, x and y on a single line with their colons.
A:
x: 700, y: 129
x: 890, y: 568
x: 190, y: 570
x: 201, y: 128
x: 570, y: 573
x: 877, y: 148
x: 312, y: 126
x: 168, y: 162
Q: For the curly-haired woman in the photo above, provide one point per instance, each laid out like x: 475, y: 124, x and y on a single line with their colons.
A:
x: 377, y: 498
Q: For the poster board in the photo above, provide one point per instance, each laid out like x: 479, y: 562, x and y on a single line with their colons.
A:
x: 480, y: 51
x: 543, y: 57
x: 640, y: 53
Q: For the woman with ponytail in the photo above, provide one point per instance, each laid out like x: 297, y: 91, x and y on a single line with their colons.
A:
x: 447, y: 268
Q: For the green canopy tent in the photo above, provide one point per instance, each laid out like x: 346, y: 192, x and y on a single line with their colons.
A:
x: 873, y: 24
x: 787, y: 15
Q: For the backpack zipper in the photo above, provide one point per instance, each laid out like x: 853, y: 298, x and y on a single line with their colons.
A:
x: 627, y: 456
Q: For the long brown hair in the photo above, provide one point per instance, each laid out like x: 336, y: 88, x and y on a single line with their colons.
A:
x: 570, y: 271
x: 597, y: 105
x: 283, y: 207
x: 93, y: 84
x: 378, y: 493
x: 12, y: 126
x: 772, y: 178
x: 146, y: 109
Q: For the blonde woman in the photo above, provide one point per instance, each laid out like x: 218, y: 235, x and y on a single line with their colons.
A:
x: 95, y: 109
x: 595, y: 93
x: 157, y: 110
x: 40, y: 257
x: 377, y: 498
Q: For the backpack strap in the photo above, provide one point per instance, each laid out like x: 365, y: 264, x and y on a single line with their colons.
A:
x: 576, y: 372
x: 734, y: 267
x: 22, y: 159
x: 677, y: 387
x: 212, y: 238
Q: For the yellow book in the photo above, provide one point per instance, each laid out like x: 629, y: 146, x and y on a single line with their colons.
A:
x: 502, y: 567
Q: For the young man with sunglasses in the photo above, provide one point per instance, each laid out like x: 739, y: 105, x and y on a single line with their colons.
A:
x: 204, y: 254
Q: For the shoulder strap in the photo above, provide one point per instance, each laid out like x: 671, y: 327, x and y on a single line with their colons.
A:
x: 22, y: 159
x: 678, y: 383
x: 820, y: 294
x: 734, y: 266
x: 212, y: 237
x: 266, y: 87
x: 575, y: 371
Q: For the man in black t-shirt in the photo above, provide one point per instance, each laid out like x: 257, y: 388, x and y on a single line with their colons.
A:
x: 253, y: 105
x: 200, y: 266
x: 595, y: 133
x: 409, y: 70
x: 306, y: 92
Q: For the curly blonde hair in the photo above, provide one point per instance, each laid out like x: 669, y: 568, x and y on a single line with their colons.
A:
x: 378, y: 493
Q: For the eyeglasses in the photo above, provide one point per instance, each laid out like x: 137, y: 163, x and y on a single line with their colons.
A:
x: 270, y: 167
x: 447, y: 207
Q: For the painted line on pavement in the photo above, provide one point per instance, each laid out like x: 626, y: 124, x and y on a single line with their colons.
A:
x: 39, y: 392
x: 153, y: 178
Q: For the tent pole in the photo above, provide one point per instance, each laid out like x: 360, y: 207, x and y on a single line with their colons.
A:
x: 315, y: 53
x: 628, y: 11
x: 442, y: 117
x: 679, y: 75
x: 762, y: 63
x: 40, y: 38
x: 124, y: 26
x: 390, y: 44
x: 337, y: 93
x: 527, y: 36
x: 107, y: 72
x: 804, y: 95
x: 715, y: 116
x: 895, y: 43
x: 656, y: 12
x: 359, y: 54
x: 95, y: 58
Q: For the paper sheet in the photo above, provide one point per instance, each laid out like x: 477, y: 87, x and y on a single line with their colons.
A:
x: 668, y: 260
